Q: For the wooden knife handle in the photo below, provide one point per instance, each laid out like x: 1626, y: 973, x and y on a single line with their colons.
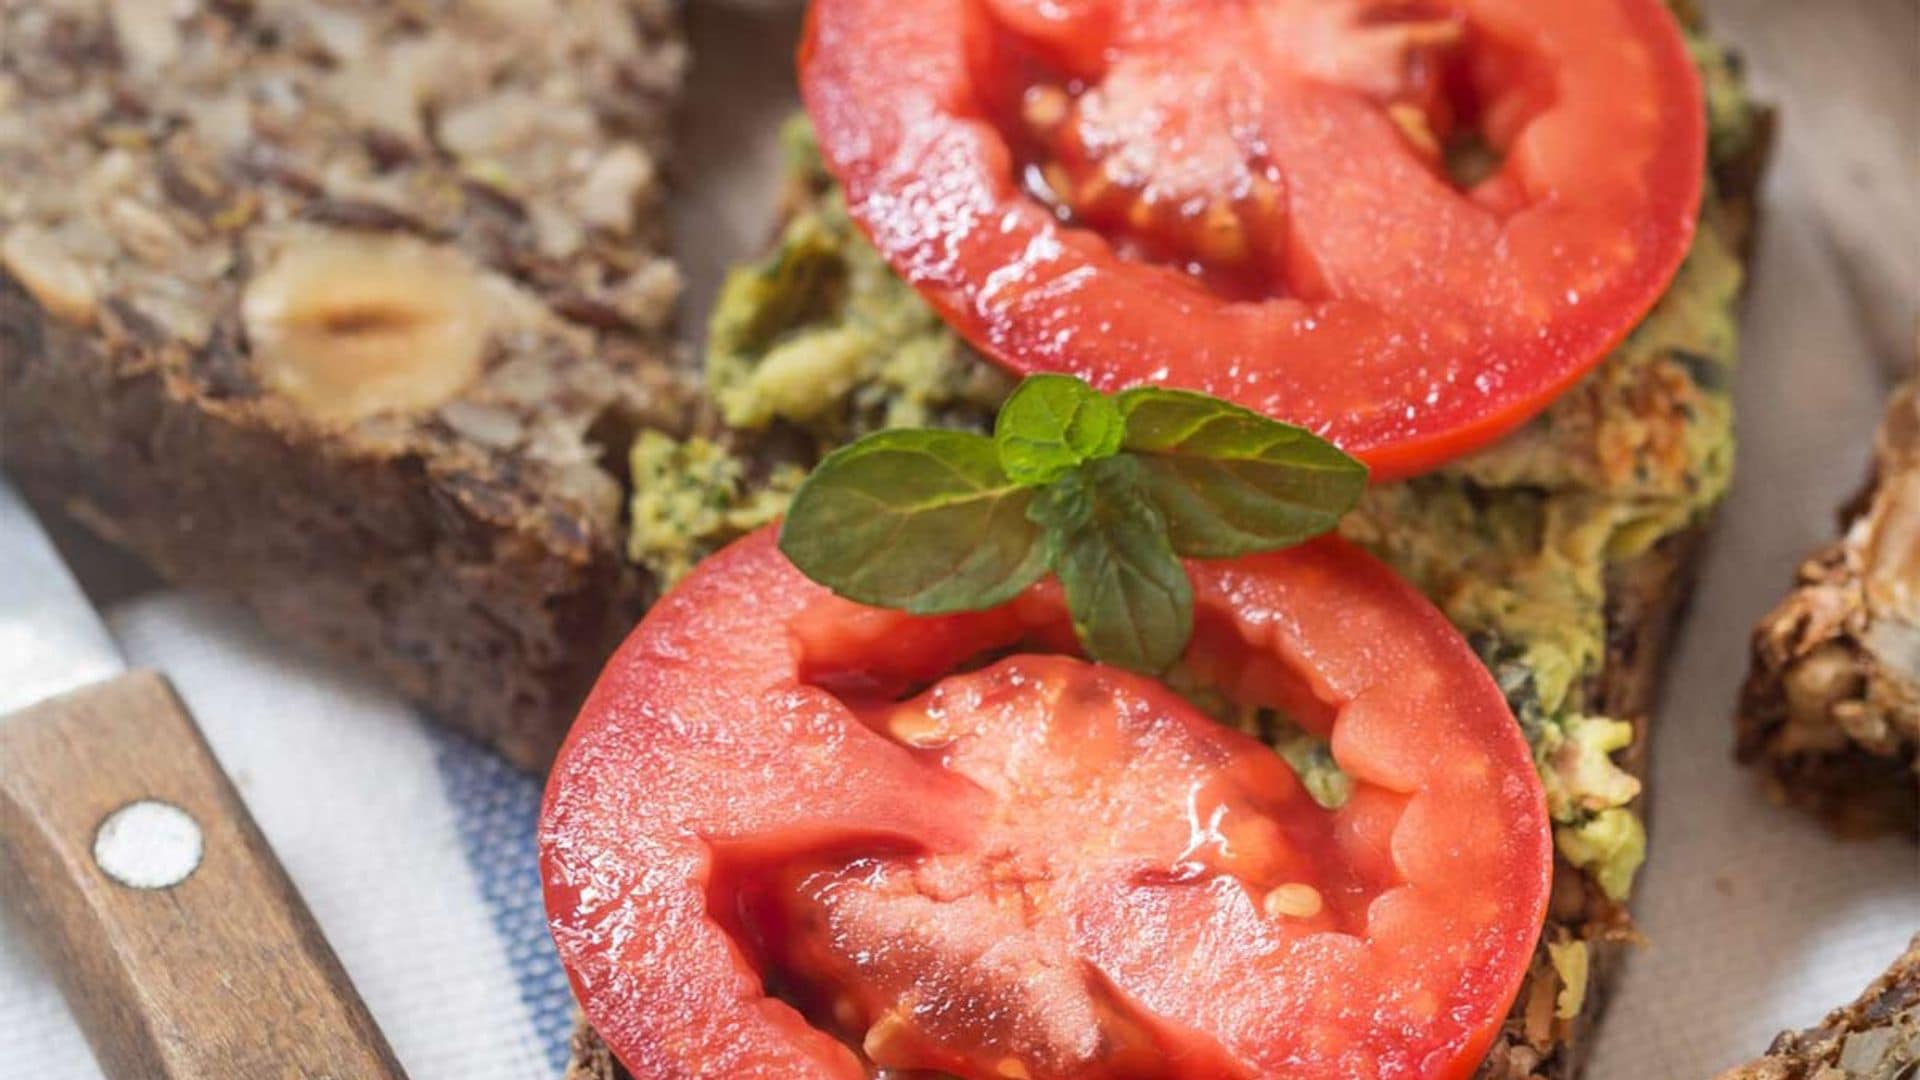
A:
x: 222, y: 975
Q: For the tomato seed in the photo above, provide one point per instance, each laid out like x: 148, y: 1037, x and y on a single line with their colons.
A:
x: 1044, y: 108
x: 1294, y: 899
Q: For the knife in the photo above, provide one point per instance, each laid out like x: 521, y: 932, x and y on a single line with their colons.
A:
x: 181, y: 945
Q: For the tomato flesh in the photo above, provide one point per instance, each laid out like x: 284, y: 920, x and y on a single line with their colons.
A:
x: 1103, y: 782
x: 1041, y: 867
x: 1253, y: 198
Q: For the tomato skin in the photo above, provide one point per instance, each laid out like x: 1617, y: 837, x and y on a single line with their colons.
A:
x: 1407, y: 320
x: 709, y: 742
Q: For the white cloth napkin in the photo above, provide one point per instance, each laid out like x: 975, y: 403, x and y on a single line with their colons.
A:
x: 414, y: 849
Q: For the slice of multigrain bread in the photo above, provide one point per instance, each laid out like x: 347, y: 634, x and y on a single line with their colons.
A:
x: 1831, y: 708
x: 339, y: 309
x: 1567, y: 552
x: 1877, y: 1037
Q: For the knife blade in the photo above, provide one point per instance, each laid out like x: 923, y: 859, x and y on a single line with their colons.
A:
x: 50, y: 639
x: 183, y: 948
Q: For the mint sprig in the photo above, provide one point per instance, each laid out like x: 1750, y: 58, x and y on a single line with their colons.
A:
x: 1107, y: 492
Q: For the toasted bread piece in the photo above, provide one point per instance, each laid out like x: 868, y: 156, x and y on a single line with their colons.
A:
x: 342, y: 310
x: 1831, y: 707
x: 1877, y: 1037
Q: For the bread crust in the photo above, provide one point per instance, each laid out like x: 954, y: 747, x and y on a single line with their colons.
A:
x: 1647, y: 598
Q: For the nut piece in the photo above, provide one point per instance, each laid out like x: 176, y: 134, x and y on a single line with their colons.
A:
x: 146, y: 33
x: 610, y: 195
x: 52, y: 277
x: 1890, y: 547
x: 347, y: 325
x: 1891, y: 559
x: 1816, y: 683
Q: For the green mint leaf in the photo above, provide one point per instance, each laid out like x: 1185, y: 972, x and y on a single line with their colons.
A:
x: 1053, y: 423
x: 1126, y: 590
x: 1231, y: 481
x: 919, y: 521
x: 1108, y: 493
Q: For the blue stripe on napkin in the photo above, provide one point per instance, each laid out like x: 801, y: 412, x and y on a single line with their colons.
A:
x: 498, y: 810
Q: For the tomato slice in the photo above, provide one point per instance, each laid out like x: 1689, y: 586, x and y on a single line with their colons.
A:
x: 787, y: 826
x: 1276, y: 201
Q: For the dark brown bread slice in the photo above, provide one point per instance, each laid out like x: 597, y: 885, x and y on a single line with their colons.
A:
x: 1831, y: 708
x: 338, y: 309
x: 1877, y: 1037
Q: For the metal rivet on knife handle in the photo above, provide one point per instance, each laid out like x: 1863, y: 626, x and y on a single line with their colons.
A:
x: 148, y: 844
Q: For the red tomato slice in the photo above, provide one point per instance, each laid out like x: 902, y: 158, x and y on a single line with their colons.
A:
x: 1041, y: 867
x: 1252, y: 198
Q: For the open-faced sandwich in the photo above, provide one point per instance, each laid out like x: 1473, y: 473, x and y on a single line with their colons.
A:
x: 852, y: 802
x: 1831, y: 708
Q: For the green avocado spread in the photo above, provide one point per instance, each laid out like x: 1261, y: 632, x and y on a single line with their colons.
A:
x: 819, y: 343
